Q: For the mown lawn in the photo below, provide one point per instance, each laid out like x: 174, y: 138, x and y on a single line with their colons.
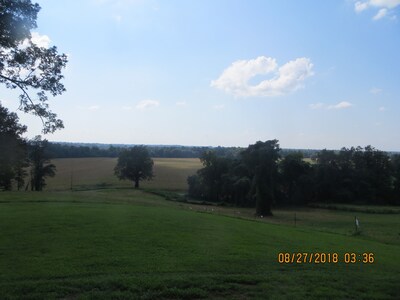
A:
x: 121, y: 243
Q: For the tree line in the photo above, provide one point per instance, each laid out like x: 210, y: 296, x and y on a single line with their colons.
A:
x: 76, y: 150
x: 65, y: 150
x: 261, y: 176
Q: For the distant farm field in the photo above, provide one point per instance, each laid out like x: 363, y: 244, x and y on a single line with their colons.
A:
x: 83, y: 173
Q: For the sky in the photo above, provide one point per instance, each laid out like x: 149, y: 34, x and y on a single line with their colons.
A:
x: 312, y: 74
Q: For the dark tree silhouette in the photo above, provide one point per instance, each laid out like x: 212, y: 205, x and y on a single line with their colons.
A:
x: 26, y: 66
x: 212, y: 174
x: 12, y: 150
x: 295, y: 177
x: 134, y: 164
x: 261, y: 160
x: 40, y: 164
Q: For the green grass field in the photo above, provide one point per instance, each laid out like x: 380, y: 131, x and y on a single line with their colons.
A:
x: 122, y: 243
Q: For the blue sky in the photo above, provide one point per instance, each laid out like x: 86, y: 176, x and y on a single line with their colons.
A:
x: 312, y: 74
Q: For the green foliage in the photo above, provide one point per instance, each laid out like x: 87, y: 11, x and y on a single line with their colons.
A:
x: 296, y: 179
x: 261, y: 159
x: 134, y: 164
x: 250, y: 177
x: 25, y: 66
x: 75, y: 150
x: 354, y: 175
x: 40, y: 164
x: 260, y: 177
x: 211, y: 175
x: 12, y: 150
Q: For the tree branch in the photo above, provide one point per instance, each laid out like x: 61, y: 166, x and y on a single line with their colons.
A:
x: 18, y: 84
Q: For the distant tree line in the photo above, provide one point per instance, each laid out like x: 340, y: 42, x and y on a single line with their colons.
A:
x: 76, y: 150
x: 260, y: 176
x: 64, y: 150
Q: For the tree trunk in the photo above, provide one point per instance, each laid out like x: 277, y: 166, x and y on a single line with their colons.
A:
x: 136, y: 183
x: 263, y: 202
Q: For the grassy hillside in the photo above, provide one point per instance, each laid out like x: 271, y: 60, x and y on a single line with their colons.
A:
x: 121, y: 243
x: 106, y: 240
x: 83, y: 173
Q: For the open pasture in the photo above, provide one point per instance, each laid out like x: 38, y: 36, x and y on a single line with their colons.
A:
x: 122, y: 243
x: 84, y: 173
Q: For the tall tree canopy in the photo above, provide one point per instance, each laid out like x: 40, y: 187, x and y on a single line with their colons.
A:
x: 40, y: 164
x: 260, y: 177
x: 26, y: 66
x: 261, y: 160
x: 134, y: 164
x: 12, y: 149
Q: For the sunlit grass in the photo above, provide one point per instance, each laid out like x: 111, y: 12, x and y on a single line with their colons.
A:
x: 122, y: 243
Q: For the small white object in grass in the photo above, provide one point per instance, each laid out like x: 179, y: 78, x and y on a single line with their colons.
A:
x: 262, y: 216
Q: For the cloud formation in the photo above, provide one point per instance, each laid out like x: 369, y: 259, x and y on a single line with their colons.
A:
x: 340, y: 105
x: 40, y: 40
x: 219, y: 107
x: 317, y: 105
x: 147, y: 104
x: 181, y: 103
x: 375, y: 90
x: 287, y: 78
x: 383, y: 6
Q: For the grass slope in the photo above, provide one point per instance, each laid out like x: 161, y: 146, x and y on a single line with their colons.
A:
x: 121, y: 243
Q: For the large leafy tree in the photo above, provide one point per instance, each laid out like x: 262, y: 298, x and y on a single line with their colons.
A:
x: 212, y: 174
x: 373, y: 174
x: 134, y: 164
x: 12, y: 150
x: 26, y: 66
x: 395, y: 161
x: 261, y: 160
x: 40, y: 164
x: 295, y: 178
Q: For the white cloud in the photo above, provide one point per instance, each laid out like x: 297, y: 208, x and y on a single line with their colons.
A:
x: 147, y: 104
x: 317, y: 105
x: 375, y: 91
x: 117, y: 18
x: 287, y: 78
x: 91, y: 108
x: 94, y: 107
x: 360, y: 6
x: 381, y: 13
x: 181, y: 103
x: 384, y: 3
x: 383, y: 6
x: 382, y: 108
x: 40, y: 40
x: 4, y: 102
x: 219, y: 107
x: 340, y: 105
